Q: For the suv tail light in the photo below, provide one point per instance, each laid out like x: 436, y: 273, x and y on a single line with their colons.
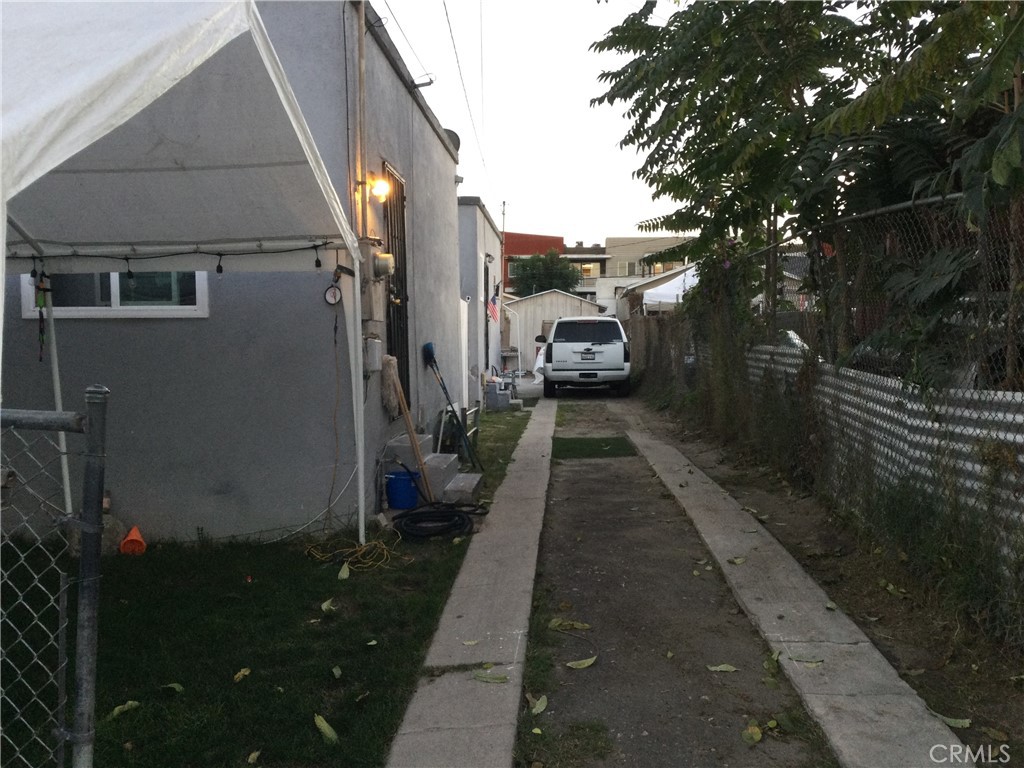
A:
x: 625, y: 352
x: 547, y: 353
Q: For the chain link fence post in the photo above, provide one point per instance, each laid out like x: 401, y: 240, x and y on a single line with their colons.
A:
x: 89, y: 578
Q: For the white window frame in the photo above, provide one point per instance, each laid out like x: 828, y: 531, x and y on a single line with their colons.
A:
x: 198, y: 310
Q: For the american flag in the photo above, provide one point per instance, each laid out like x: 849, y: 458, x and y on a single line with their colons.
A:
x: 492, y: 307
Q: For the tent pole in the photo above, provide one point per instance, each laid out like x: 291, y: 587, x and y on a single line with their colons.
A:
x: 58, y: 399
x: 58, y: 402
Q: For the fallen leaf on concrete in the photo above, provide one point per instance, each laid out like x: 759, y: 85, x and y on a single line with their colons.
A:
x: 723, y: 668
x: 831, y: 606
x: 470, y: 642
x: 737, y: 560
x: 486, y: 677
x: 808, y: 662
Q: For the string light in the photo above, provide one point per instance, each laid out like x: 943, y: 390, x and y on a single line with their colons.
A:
x: 130, y: 275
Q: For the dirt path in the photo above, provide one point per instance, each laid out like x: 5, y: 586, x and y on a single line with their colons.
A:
x: 618, y: 554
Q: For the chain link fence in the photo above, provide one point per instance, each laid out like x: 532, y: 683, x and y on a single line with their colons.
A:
x: 883, y: 366
x: 42, y: 541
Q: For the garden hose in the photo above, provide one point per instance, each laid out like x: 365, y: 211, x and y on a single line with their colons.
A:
x: 437, y: 519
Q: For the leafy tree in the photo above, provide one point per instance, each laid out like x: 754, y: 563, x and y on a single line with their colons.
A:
x: 724, y: 96
x: 544, y: 273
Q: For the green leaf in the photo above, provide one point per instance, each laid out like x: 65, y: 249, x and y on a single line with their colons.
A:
x: 330, y: 735
x: 487, y: 677
x: 344, y: 573
x: 723, y: 668
x: 120, y: 709
x: 176, y: 687
x: 337, y: 673
x: 751, y: 734
x: 582, y: 663
x: 327, y: 606
x: 539, y: 706
x: 953, y: 722
x: 737, y: 560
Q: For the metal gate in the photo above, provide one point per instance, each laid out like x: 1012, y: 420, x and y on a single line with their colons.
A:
x: 398, y: 283
x: 41, y: 542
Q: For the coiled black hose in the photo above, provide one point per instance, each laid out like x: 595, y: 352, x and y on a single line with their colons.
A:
x: 437, y: 519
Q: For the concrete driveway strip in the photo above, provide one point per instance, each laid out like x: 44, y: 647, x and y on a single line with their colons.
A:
x: 870, y: 716
x: 455, y: 720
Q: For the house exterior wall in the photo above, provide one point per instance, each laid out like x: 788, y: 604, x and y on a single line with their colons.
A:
x: 479, y: 238
x: 240, y: 424
x: 219, y: 426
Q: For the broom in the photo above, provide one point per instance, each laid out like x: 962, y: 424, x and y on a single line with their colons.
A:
x: 430, y: 361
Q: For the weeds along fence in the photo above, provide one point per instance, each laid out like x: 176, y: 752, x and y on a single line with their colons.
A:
x: 896, y: 389
x: 42, y: 539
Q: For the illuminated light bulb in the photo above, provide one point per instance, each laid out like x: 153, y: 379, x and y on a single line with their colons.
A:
x: 380, y: 188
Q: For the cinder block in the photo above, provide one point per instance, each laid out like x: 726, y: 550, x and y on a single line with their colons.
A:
x: 464, y: 488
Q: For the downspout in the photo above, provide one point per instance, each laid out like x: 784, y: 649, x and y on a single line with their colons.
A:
x: 355, y: 336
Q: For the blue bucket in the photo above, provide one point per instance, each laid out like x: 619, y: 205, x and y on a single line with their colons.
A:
x: 401, y: 489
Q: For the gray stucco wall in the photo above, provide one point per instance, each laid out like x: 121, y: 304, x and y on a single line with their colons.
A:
x: 224, y: 423
x: 478, y: 238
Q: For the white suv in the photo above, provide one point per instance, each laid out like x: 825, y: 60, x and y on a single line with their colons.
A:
x: 586, y: 352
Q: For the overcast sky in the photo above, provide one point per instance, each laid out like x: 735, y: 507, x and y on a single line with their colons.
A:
x: 533, y: 141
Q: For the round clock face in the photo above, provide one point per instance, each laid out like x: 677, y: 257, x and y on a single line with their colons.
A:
x: 332, y: 295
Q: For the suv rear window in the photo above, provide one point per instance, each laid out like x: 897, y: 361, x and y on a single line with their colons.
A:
x: 597, y: 332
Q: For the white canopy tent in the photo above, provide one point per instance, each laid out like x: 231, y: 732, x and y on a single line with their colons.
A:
x: 161, y: 136
x: 662, y: 298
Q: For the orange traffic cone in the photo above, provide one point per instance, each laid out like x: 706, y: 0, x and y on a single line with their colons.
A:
x: 133, y: 543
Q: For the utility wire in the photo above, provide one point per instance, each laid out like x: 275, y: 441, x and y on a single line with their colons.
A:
x: 408, y: 42
x: 465, y: 92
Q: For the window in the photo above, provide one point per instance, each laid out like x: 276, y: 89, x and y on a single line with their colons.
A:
x: 587, y: 332
x: 112, y: 294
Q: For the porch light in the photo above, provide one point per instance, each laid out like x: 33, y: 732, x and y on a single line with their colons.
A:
x: 380, y: 188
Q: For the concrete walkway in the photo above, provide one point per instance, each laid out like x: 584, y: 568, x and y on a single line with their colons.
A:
x: 871, y: 718
x: 454, y: 720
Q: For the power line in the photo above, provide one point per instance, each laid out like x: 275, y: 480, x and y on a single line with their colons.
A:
x: 408, y: 42
x: 462, y: 79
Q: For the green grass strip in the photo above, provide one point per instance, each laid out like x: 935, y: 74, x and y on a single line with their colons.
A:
x: 591, y: 447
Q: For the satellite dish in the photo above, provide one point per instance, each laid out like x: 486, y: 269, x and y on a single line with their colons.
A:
x: 453, y: 137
